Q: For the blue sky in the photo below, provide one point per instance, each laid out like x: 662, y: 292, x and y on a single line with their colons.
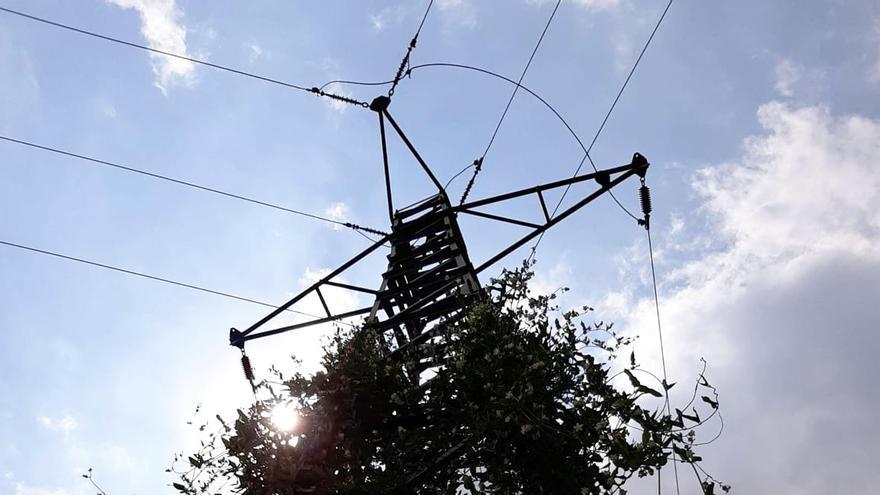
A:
x: 761, y: 121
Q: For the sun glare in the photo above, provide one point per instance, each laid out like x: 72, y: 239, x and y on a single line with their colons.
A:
x: 285, y: 417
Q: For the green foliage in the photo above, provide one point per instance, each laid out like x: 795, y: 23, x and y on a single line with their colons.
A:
x: 526, y: 403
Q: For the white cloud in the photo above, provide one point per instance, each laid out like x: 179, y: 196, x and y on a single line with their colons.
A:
x: 19, y: 88
x: 786, y: 312
x: 22, y: 489
x: 553, y: 279
x: 454, y: 14
x: 378, y: 21
x: 391, y: 16
x: 809, y: 184
x: 255, y: 51
x: 598, y: 4
x: 339, y: 212
x: 109, y: 111
x: 161, y: 26
x: 787, y: 75
x: 116, y: 458
x: 458, y: 13
x: 589, y: 4
x: 64, y: 424
x: 874, y: 40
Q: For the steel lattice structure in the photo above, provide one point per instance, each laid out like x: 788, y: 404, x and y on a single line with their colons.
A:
x: 430, y: 277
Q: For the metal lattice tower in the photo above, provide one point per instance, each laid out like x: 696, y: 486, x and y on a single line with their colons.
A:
x: 430, y: 279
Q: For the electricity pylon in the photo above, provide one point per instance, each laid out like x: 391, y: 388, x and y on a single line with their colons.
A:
x: 430, y: 279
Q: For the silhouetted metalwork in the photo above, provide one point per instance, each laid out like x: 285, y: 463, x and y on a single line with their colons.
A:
x: 430, y: 278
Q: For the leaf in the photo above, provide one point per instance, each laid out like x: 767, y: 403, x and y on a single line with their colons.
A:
x: 695, y: 419
x: 649, y: 390
x: 179, y: 487
x: 711, y: 402
x: 632, y: 358
x: 469, y: 484
x: 682, y: 454
x: 632, y: 379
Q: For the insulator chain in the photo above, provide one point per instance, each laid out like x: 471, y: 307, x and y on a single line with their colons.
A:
x: 368, y: 230
x: 404, y: 65
x: 645, y: 200
x: 346, y: 99
x: 246, y: 366
x: 478, y: 165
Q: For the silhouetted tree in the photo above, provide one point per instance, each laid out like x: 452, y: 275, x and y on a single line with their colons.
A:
x: 527, y: 403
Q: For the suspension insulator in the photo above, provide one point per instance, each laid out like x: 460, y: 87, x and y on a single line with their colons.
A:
x: 246, y: 366
x: 645, y: 197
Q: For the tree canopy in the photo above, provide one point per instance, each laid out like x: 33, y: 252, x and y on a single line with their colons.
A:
x: 529, y: 400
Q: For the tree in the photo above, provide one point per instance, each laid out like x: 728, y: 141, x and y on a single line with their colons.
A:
x: 527, y: 402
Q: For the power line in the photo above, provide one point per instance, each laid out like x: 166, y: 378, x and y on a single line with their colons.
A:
x: 478, y: 164
x: 629, y: 76
x: 193, y: 185
x: 465, y: 169
x: 614, y: 104
x: 511, y: 81
x: 356, y: 83
x: 475, y: 69
x: 313, y: 90
x: 424, y: 17
x: 150, y: 277
x: 605, y: 120
x: 412, y: 45
x: 662, y: 352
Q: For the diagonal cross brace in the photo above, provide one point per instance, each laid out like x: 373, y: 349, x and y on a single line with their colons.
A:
x: 638, y: 166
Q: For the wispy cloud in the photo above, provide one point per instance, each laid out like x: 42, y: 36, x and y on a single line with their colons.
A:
x: 458, y: 13
x: 782, y: 311
x: 589, y: 4
x: 787, y: 74
x: 390, y: 16
x: 22, y: 489
x: 163, y: 30
x: 255, y: 51
x: 874, y: 41
x: 339, y: 212
x: 19, y: 88
x: 63, y: 424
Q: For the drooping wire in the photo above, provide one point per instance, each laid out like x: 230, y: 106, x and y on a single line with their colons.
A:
x: 662, y: 350
x: 605, y: 121
x: 515, y: 83
x: 355, y: 227
x: 645, y: 201
x: 150, y: 277
x: 465, y: 169
x: 355, y: 83
x: 478, y: 164
x: 404, y: 63
x: 314, y: 90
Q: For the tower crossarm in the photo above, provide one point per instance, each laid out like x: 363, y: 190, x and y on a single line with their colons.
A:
x: 605, y: 179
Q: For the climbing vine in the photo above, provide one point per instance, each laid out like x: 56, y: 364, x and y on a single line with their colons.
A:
x: 529, y: 400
